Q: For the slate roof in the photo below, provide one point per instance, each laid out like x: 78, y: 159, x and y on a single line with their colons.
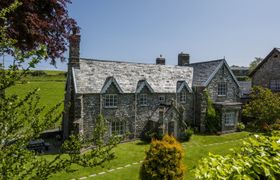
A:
x: 263, y: 61
x: 204, y: 70
x: 92, y: 74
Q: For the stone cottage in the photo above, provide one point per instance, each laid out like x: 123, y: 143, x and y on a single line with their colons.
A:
x: 267, y: 73
x: 130, y: 95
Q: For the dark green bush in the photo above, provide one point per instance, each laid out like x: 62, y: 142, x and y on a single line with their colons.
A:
x: 212, y: 119
x: 188, y: 134
x: 38, y: 73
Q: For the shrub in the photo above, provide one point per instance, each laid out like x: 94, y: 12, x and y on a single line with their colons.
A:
x: 151, y: 131
x: 212, y: 119
x: 38, y: 73
x: 188, y: 134
x: 163, y: 160
x: 263, y: 108
x: 259, y: 158
x: 240, y: 126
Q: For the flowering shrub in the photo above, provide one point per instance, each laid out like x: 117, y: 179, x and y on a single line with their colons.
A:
x: 259, y: 159
x: 163, y: 160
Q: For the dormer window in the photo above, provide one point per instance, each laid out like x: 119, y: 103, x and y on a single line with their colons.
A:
x: 143, y: 100
x: 183, y: 97
x: 161, y: 99
x: 222, y: 89
x: 110, y: 100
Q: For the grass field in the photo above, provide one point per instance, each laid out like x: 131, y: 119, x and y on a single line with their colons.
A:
x: 51, y: 88
x: 129, y: 153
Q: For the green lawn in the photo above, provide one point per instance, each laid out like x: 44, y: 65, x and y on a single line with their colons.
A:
x: 129, y: 153
x: 51, y: 88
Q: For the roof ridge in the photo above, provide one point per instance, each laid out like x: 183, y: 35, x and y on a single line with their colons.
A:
x: 202, y: 62
x: 115, y: 61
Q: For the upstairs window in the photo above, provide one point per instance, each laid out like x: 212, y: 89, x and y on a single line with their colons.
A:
x: 118, y: 127
x: 222, y: 89
x: 229, y: 119
x: 161, y: 99
x: 183, y: 97
x: 143, y: 100
x: 110, y: 100
x: 275, y: 85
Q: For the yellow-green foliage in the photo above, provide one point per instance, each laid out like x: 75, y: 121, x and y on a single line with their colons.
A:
x: 163, y: 160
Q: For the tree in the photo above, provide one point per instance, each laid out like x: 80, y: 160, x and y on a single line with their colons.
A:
x: 22, y: 120
x: 254, y: 63
x: 263, y: 107
x: 163, y: 160
x: 40, y: 22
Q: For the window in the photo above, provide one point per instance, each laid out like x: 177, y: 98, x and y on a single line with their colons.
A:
x: 222, y: 89
x: 229, y: 119
x: 143, y: 100
x: 275, y: 85
x: 110, y: 100
x: 161, y: 99
x: 117, y: 127
x: 183, y: 97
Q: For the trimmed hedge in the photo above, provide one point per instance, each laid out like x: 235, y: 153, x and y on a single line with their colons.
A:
x: 163, y: 160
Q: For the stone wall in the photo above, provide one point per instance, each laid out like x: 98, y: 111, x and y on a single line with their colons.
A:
x: 135, y: 115
x: 270, y: 70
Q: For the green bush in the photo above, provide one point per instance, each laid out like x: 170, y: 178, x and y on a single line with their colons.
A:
x: 188, y: 134
x: 212, y: 119
x: 259, y: 158
x: 240, y: 126
x: 163, y: 160
x: 151, y: 131
x: 38, y: 73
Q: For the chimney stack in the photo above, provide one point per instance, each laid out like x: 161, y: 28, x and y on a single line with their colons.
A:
x: 160, y: 60
x: 74, y: 48
x: 183, y: 59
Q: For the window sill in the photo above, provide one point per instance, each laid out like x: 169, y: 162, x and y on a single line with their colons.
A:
x: 111, y: 107
x: 144, y: 105
x: 222, y: 95
x: 229, y: 125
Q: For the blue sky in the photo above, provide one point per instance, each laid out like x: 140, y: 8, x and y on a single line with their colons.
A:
x: 139, y: 31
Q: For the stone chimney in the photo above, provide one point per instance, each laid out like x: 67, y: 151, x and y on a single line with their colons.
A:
x: 183, y: 59
x: 74, y: 49
x: 160, y: 60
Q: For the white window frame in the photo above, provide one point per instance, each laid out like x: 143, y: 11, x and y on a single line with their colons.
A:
x: 118, y: 127
x: 222, y: 89
x: 161, y: 98
x: 143, y: 99
x: 230, y: 118
x: 183, y: 97
x: 110, y: 100
x: 275, y: 85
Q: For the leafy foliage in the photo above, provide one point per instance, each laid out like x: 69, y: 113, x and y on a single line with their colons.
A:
x: 188, y: 134
x: 163, y: 160
x: 39, y: 22
x: 212, y: 119
x: 263, y: 108
x: 254, y: 63
x: 240, y: 126
x: 21, y: 121
x: 259, y: 159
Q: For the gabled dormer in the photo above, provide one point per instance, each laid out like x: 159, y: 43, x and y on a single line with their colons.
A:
x: 182, y: 90
x: 110, y: 91
x: 143, y: 89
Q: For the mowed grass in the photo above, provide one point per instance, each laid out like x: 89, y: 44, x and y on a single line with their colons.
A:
x: 131, y: 152
x: 51, y: 88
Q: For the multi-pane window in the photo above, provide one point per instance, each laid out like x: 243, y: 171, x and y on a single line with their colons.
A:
x: 229, y: 118
x: 143, y: 99
x: 183, y: 97
x: 222, y: 89
x: 118, y: 127
x: 110, y: 100
x: 161, y: 99
x: 275, y: 85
